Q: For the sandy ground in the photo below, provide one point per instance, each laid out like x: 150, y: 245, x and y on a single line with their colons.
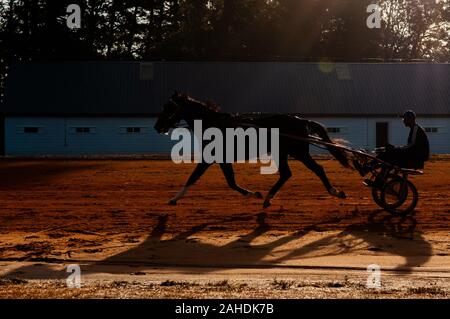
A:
x: 112, y: 219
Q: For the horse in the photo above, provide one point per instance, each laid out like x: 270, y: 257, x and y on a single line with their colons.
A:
x: 293, y: 134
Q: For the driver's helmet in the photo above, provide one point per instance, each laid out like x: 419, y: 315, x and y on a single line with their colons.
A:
x: 409, y: 114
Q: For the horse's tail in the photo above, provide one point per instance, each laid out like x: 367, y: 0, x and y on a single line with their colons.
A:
x: 319, y: 129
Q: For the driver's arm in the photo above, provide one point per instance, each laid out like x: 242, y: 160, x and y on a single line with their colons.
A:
x: 413, y: 139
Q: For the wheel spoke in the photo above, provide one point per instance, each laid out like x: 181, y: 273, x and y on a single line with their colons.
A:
x: 396, y: 198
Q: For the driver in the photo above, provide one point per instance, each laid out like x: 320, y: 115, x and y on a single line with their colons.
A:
x: 413, y: 155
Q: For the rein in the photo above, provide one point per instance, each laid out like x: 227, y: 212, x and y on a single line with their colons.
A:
x: 312, y: 140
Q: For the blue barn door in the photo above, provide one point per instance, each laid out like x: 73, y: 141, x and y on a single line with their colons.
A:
x: 382, y: 134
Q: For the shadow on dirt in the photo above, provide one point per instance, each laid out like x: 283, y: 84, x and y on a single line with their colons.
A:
x: 31, y: 173
x: 384, y: 233
x: 381, y: 233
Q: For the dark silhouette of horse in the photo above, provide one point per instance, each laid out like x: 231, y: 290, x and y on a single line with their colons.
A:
x: 293, y: 134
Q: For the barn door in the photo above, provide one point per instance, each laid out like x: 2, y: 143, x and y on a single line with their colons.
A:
x: 382, y: 131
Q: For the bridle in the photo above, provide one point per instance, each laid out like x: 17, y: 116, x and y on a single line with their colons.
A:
x: 176, y: 112
x: 178, y: 107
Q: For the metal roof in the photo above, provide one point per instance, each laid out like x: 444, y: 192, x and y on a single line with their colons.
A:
x: 119, y: 88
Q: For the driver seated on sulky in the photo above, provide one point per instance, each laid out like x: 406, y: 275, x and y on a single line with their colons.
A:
x: 413, y: 155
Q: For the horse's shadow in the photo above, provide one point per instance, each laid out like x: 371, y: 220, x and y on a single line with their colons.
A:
x: 391, y: 235
x: 382, y: 232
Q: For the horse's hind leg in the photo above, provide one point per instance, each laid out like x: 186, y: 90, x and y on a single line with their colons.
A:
x: 199, y: 170
x: 228, y: 172
x: 310, y: 163
x: 285, y: 174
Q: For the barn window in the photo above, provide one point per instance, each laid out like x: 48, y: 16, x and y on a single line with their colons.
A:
x: 337, y: 129
x: 31, y: 129
x: 133, y: 130
x: 333, y: 129
x: 432, y: 129
x: 82, y: 130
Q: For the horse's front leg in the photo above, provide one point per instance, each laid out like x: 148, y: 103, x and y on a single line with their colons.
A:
x: 228, y: 172
x: 199, y: 170
x: 320, y: 172
x: 285, y: 174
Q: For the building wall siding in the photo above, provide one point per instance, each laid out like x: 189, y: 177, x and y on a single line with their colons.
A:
x: 439, y: 141
x: 353, y: 130
x: 57, y: 136
x: 398, y: 133
x: 361, y: 132
x: 50, y: 140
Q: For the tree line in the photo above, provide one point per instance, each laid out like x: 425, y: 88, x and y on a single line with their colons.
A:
x: 336, y: 30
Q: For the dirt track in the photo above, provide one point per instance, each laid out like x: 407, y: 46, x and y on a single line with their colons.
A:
x: 112, y: 218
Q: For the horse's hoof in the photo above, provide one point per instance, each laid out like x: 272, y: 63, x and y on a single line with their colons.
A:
x: 258, y: 195
x: 172, y: 202
x: 337, y: 193
x: 266, y: 204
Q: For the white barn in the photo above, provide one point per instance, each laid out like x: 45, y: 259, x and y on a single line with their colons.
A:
x: 95, y: 108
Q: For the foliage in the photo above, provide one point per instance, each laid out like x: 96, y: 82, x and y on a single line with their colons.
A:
x: 35, y: 30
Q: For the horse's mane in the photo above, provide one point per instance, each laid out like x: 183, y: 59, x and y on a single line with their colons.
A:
x: 209, y: 106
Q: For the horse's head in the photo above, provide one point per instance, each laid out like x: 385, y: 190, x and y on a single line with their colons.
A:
x: 170, y: 115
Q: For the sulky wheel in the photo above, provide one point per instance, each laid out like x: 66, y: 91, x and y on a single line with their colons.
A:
x: 376, y: 195
x: 399, y: 196
x: 376, y: 192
